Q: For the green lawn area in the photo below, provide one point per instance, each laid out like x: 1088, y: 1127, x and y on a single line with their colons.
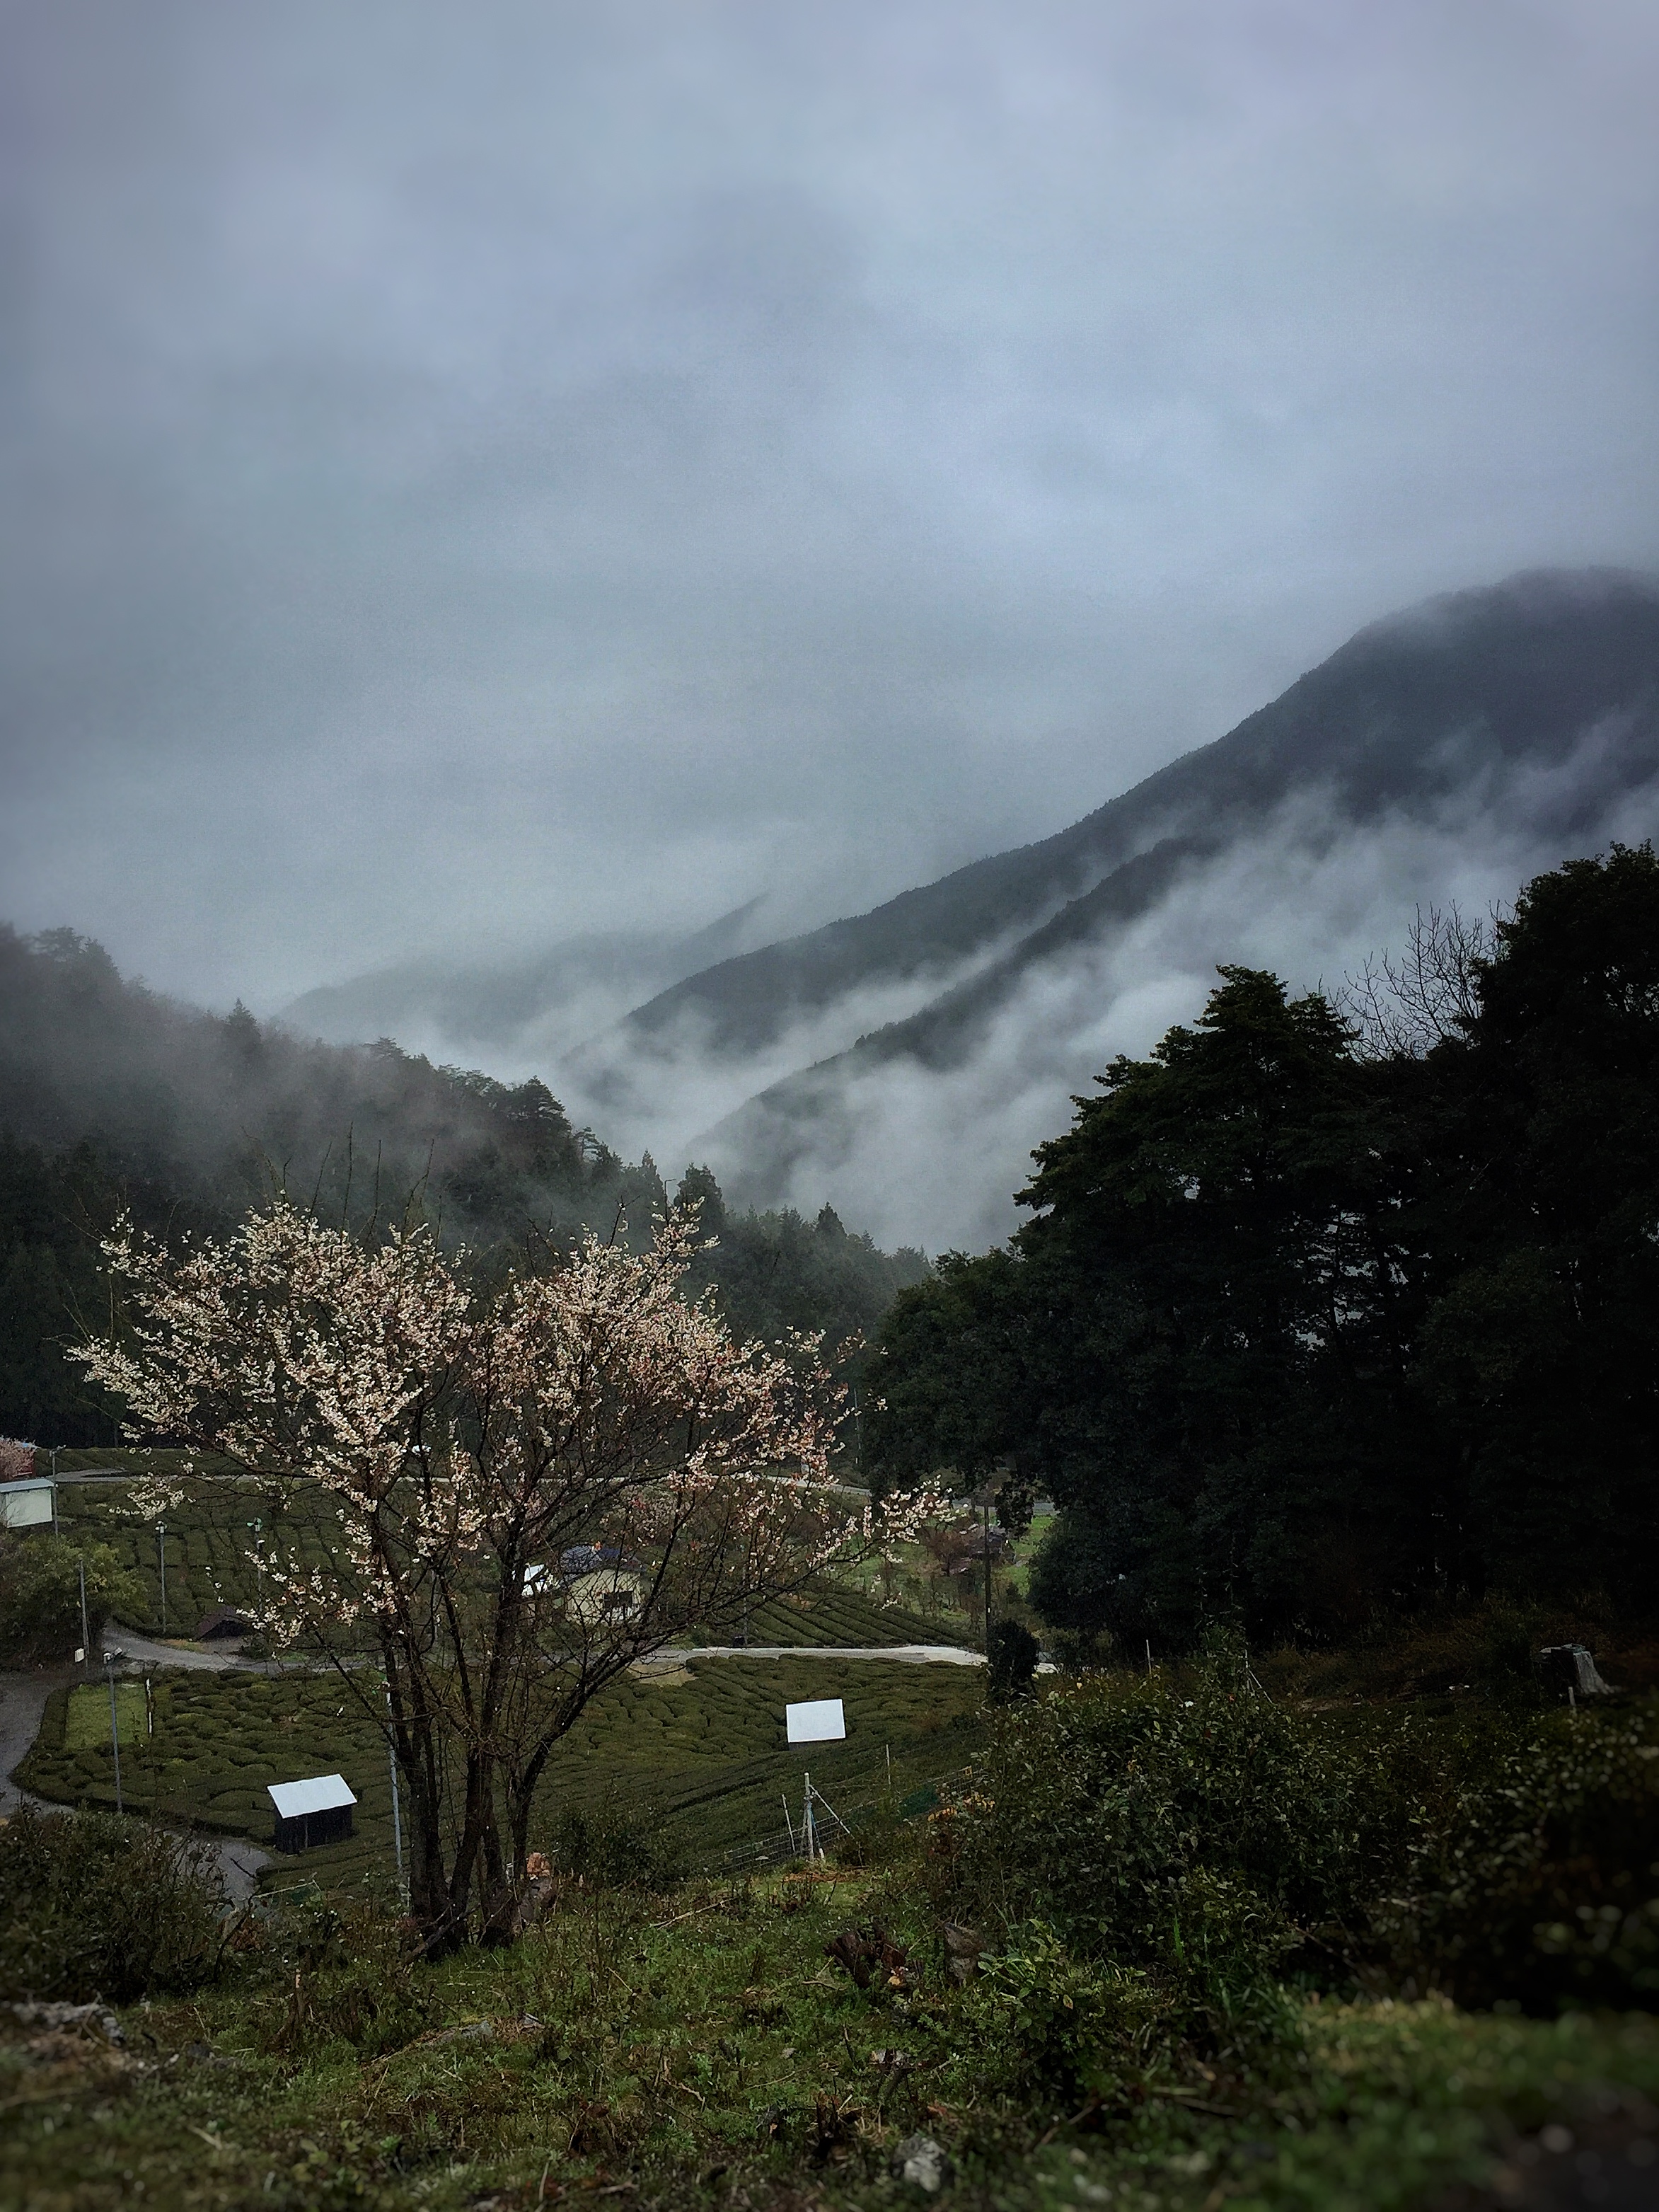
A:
x: 86, y: 1721
x: 704, y: 1753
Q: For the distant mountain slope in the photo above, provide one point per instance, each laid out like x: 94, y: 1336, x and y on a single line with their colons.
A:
x: 555, y: 996
x: 1522, y: 721
x: 1410, y: 713
x: 189, y: 1106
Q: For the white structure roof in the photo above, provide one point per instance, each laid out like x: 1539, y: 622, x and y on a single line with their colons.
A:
x: 822, y: 1720
x: 320, y: 1793
x: 27, y: 1504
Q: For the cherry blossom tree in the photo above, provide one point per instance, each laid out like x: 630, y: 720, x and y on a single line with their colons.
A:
x: 514, y: 1489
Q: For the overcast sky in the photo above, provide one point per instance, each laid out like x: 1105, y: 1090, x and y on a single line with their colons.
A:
x: 476, y: 473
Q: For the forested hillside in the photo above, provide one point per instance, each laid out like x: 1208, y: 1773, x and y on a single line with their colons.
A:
x: 1327, y: 1311
x: 112, y: 1096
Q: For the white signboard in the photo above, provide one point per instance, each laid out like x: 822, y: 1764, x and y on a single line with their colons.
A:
x: 822, y: 1721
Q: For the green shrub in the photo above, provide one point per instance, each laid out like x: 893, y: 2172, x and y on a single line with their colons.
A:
x: 1012, y: 1663
x: 1538, y: 1883
x: 93, y: 1906
x: 612, y: 1844
x: 1091, y: 1803
x: 1042, y: 2023
x: 1166, y: 1846
x: 40, y: 1593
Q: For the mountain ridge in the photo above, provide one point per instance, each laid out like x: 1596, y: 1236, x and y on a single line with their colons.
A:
x: 1539, y: 695
x: 1030, y: 883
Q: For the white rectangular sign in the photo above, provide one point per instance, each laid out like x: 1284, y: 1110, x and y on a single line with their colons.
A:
x: 822, y: 1721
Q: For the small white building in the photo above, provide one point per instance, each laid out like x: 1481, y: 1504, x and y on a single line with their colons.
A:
x: 317, y: 1810
x: 609, y: 1594
x: 27, y: 1504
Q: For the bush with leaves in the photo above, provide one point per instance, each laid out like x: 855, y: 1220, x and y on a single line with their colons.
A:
x: 1537, y: 1882
x: 1136, y: 1830
x: 1013, y: 1661
x: 1093, y: 1803
x: 92, y: 1906
x: 612, y: 1844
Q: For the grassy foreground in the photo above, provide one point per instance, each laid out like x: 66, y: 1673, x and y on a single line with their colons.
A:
x: 700, y: 2049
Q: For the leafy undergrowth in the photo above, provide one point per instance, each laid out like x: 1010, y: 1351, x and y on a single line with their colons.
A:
x: 1482, y: 1653
x: 700, y: 2049
x: 700, y: 1751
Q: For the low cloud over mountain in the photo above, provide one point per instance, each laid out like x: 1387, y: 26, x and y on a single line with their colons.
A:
x: 902, y: 1061
x: 908, y: 1057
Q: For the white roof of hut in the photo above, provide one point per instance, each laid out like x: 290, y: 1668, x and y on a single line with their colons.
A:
x: 321, y: 1793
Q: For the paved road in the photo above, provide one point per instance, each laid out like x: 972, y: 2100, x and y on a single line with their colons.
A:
x: 23, y: 1702
x: 919, y: 1655
x: 146, y: 1651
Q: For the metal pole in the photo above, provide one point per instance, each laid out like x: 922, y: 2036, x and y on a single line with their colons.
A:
x: 806, y: 1822
x: 988, y: 1577
x: 114, y: 1730
x: 397, y: 1809
x: 85, y: 1633
x: 790, y: 1824
x: 54, y: 1489
x: 162, y: 1546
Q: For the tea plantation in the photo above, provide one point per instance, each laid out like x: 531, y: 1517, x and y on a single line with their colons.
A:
x: 213, y: 1549
x: 701, y: 1758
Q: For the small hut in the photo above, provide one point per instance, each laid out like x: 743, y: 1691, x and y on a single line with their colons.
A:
x: 26, y: 1503
x: 311, y: 1812
x: 224, y: 1620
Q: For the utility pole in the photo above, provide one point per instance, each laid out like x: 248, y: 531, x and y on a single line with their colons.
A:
x: 85, y: 1633
x: 110, y: 1658
x: 162, y: 1546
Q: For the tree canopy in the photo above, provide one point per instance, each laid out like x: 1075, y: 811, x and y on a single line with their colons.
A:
x: 1310, y: 1320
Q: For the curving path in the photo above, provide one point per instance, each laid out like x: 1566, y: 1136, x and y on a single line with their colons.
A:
x: 146, y: 1651
x: 917, y: 1655
x: 22, y: 1706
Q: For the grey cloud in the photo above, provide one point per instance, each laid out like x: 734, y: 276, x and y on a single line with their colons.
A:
x: 474, y: 477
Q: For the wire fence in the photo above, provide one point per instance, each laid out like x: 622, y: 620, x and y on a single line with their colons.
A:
x: 786, y: 1845
x: 365, y: 1865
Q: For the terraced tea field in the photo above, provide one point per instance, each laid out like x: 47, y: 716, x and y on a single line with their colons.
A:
x: 212, y: 1559
x: 702, y: 1753
x: 695, y: 1751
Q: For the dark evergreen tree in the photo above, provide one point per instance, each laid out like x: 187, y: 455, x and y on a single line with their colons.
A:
x: 1299, y: 1329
